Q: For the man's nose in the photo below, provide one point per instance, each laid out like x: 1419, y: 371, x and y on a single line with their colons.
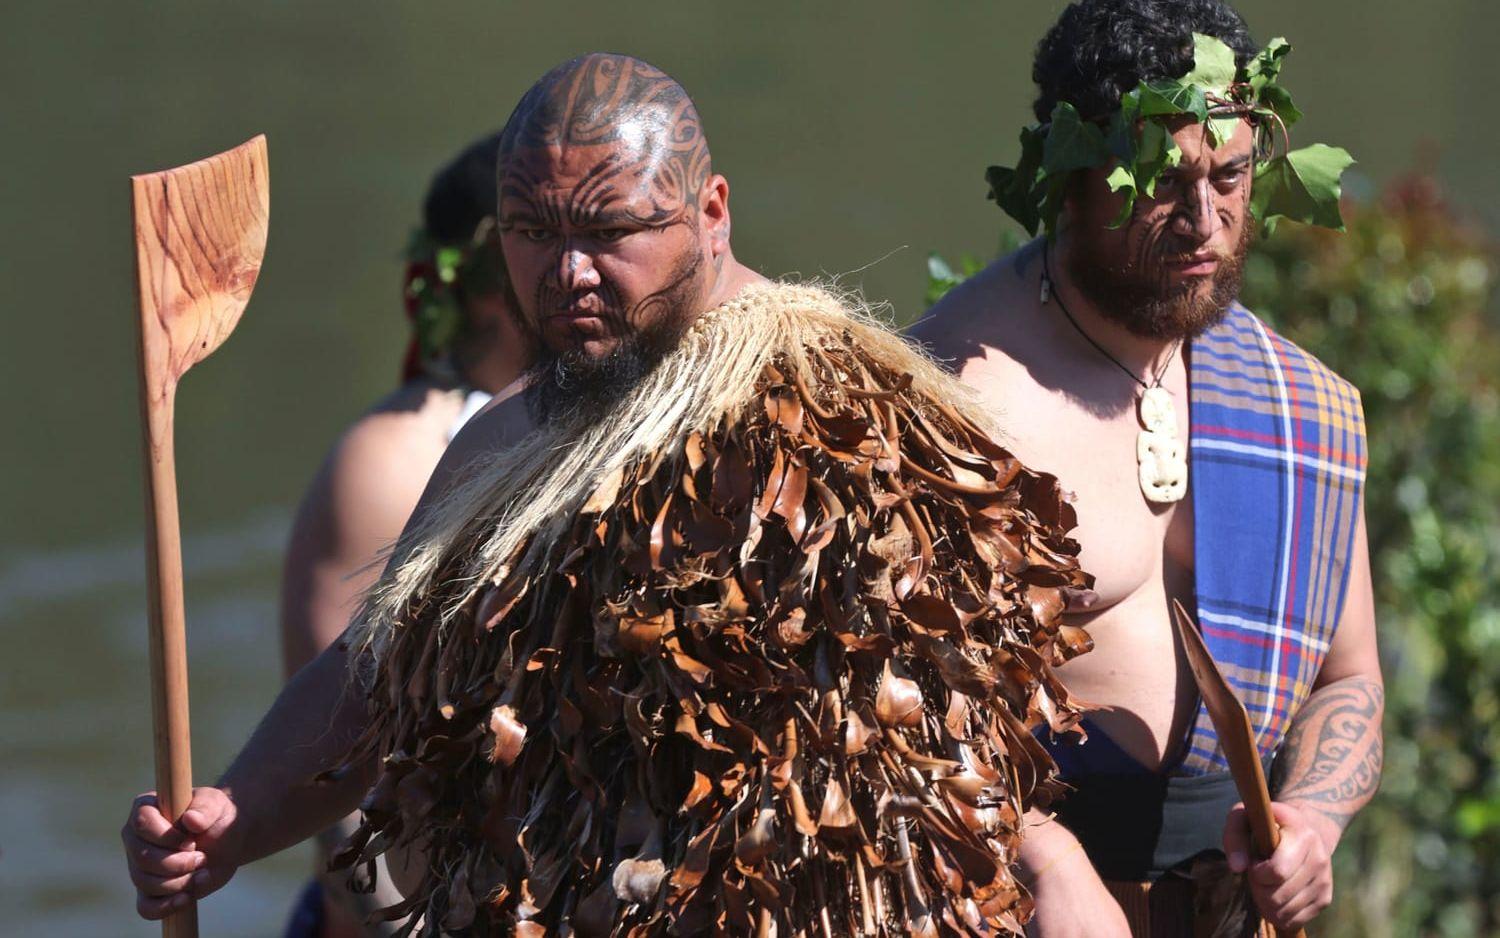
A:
x: 1199, y: 215
x: 575, y: 268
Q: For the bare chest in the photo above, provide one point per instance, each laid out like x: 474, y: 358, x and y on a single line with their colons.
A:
x: 1128, y: 543
x: 1140, y: 554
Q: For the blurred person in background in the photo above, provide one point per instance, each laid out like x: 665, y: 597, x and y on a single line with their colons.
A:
x: 466, y: 347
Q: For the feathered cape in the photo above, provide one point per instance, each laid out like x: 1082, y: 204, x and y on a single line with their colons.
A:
x: 759, y: 649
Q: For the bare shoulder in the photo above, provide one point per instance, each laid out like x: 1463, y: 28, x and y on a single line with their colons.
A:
x: 502, y: 423
x: 984, y: 317
x: 366, y: 488
x: 377, y: 469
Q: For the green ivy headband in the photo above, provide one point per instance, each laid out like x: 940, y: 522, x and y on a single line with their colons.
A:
x: 1302, y: 185
x: 438, y: 276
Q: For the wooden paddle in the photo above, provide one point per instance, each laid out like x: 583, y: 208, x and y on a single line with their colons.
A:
x: 1237, y: 737
x: 200, y: 234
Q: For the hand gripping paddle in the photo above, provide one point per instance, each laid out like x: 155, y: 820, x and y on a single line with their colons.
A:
x: 1236, y: 736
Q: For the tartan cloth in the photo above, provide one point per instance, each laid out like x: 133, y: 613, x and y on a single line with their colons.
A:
x: 1277, y: 462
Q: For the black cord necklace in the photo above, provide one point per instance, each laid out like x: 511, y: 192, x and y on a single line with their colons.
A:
x: 1161, y: 463
x: 1048, y: 292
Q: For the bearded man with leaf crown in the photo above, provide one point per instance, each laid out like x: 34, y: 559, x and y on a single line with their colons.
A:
x: 1215, y: 465
x: 736, y: 620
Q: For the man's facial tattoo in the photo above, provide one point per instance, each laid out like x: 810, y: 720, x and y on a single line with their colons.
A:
x: 1137, y: 292
x: 656, y: 162
x: 572, y: 385
x: 656, y: 138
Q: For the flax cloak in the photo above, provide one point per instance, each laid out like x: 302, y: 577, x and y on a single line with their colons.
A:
x: 760, y: 647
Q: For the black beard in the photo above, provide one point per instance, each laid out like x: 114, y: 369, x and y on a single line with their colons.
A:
x: 1143, y: 302
x: 573, y: 386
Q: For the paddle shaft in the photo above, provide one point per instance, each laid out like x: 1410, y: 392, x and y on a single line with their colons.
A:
x: 1265, y: 833
x: 167, y: 627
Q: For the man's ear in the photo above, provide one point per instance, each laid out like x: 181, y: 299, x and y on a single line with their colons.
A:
x: 713, y: 205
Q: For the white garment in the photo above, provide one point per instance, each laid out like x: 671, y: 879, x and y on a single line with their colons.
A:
x: 474, y: 402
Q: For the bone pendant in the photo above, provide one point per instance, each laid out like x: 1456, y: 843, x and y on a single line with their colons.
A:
x: 1163, y: 467
x: 1158, y: 453
x: 1156, y: 411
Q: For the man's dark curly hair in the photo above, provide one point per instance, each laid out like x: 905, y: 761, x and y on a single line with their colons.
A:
x: 1100, y: 49
x: 462, y: 194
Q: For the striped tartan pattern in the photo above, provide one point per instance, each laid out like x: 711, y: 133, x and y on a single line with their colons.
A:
x: 1277, y: 462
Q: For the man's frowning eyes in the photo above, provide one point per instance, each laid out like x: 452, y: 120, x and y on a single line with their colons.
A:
x: 537, y: 234
x: 1226, y: 179
x: 1229, y: 177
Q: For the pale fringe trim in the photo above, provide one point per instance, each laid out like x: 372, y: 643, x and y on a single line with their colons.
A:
x: 537, y: 486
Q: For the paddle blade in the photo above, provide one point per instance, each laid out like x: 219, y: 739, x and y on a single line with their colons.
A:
x: 200, y: 236
x: 1236, y: 735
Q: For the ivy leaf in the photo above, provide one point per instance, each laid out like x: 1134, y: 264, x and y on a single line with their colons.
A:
x: 1266, y: 65
x: 1222, y: 129
x: 1052, y: 202
x: 1136, y: 175
x: 1016, y: 189
x: 1171, y: 97
x: 1072, y: 142
x: 1120, y: 179
x: 1155, y: 152
x: 1120, y: 138
x: 1279, y: 100
x: 1303, y: 185
x: 1213, y: 65
x: 1012, y: 198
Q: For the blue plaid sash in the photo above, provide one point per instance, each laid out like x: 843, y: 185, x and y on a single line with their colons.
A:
x: 1277, y: 457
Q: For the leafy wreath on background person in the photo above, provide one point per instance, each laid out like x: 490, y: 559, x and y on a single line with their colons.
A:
x: 438, y: 277
x: 1303, y: 185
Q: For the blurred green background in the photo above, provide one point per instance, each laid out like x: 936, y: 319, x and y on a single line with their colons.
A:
x: 855, y: 140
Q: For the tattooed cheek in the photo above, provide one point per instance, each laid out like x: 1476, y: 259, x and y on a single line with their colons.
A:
x: 1148, y: 243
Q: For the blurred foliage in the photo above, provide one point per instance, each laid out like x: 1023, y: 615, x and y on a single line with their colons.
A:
x: 1399, y: 305
x: 943, y: 276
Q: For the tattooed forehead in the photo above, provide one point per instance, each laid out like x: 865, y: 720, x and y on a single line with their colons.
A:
x: 608, y: 128
x: 607, y: 99
x: 589, y: 186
